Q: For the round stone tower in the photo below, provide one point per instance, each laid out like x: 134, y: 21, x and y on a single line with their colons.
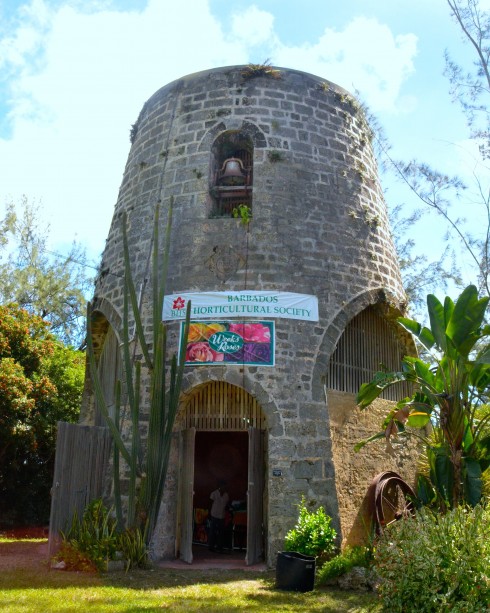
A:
x: 280, y: 238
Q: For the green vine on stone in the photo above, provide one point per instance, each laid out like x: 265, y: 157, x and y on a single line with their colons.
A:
x: 275, y: 156
x: 243, y: 212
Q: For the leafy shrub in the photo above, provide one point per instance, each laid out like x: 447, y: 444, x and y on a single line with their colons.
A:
x: 91, y: 543
x: 436, y: 562
x: 312, y: 535
x: 74, y: 559
x: 344, y: 562
x: 41, y: 383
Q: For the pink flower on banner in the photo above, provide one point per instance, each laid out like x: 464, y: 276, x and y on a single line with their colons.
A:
x: 257, y: 333
x: 202, y: 352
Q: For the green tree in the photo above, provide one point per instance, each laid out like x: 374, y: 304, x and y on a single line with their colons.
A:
x: 471, y: 88
x: 41, y: 382
x: 448, y: 393
x: 44, y: 283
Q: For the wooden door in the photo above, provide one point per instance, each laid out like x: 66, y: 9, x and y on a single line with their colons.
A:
x: 186, y: 495
x: 255, y: 496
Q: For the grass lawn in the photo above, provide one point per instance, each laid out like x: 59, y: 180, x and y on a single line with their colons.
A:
x: 27, y: 585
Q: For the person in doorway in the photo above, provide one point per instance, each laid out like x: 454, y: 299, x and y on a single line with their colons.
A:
x: 218, y: 506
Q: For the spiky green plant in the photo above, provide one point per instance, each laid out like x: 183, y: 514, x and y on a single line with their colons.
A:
x: 147, y: 471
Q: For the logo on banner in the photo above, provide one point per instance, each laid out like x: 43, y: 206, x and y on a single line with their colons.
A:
x: 178, y: 303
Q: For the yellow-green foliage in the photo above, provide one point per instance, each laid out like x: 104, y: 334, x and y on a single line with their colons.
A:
x: 343, y: 563
x: 433, y: 562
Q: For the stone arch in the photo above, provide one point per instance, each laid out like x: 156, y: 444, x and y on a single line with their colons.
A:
x: 368, y: 343
x: 388, y: 304
x: 231, y: 172
x: 103, y: 314
x: 246, y: 127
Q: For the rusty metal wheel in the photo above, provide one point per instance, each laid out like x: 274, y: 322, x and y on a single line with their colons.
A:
x: 393, y: 499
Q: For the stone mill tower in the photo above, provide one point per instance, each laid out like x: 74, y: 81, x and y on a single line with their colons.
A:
x: 280, y: 238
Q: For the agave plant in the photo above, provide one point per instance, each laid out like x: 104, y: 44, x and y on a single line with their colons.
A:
x: 448, y: 393
x: 147, y: 467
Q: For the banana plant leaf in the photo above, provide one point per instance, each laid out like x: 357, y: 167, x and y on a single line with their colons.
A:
x: 441, y: 472
x: 472, y: 481
x: 464, y: 327
x: 423, y: 334
x: 382, y: 380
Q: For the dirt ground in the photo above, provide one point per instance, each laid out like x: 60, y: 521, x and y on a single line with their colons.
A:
x: 23, y: 554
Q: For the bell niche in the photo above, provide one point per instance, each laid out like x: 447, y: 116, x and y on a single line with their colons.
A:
x: 231, y: 179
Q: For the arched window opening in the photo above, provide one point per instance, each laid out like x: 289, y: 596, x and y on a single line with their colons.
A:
x: 109, y: 368
x: 231, y: 174
x: 368, y: 344
x: 219, y: 405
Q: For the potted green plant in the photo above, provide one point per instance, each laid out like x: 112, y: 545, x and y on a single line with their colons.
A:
x: 312, y: 539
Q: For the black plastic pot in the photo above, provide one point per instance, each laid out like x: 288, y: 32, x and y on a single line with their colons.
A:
x: 295, y: 572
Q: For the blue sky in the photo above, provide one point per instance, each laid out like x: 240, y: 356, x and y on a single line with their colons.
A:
x: 74, y: 75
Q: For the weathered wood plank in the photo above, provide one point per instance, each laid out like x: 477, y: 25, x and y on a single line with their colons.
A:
x: 82, y: 454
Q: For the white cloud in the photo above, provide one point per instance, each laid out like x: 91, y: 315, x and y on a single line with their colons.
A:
x: 365, y: 56
x: 82, y: 74
x: 72, y: 111
x: 253, y: 26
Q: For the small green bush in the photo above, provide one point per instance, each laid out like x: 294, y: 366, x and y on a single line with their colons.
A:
x: 344, y: 562
x: 94, y: 537
x: 436, y: 562
x: 312, y: 535
x: 131, y: 544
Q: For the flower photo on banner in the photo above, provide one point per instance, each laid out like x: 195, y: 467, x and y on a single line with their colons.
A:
x: 224, y: 342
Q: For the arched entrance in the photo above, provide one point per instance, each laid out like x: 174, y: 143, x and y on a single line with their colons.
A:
x: 222, y: 438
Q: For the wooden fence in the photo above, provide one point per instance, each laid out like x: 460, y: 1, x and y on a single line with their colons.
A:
x: 82, y: 454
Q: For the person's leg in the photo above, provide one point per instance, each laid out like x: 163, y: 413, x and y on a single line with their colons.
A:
x: 220, y: 533
x: 212, y: 534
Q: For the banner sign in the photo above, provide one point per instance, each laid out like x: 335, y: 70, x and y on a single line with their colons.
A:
x: 243, y: 304
x: 225, y: 342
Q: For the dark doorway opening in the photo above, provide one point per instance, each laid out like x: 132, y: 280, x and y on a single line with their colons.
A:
x: 221, y: 456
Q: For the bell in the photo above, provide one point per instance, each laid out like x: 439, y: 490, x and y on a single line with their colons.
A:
x: 232, y: 172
